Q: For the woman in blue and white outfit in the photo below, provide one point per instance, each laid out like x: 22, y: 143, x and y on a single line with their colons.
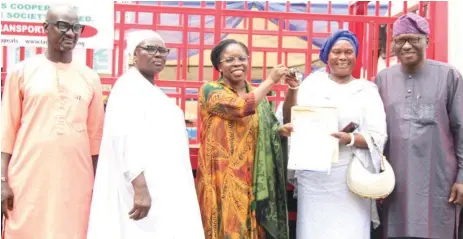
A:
x: 327, y: 209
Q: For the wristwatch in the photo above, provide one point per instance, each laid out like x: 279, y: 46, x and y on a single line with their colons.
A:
x: 4, y: 179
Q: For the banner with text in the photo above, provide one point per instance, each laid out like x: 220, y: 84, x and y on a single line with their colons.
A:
x: 22, y: 24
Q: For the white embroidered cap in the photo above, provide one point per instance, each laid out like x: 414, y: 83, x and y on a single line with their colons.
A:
x: 137, y: 36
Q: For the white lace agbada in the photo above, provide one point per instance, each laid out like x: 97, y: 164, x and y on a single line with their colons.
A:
x: 365, y: 105
x: 145, y: 132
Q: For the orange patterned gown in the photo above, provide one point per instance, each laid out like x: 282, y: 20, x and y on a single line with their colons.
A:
x: 226, y: 158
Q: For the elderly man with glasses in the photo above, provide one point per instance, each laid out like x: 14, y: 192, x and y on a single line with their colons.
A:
x: 52, y: 121
x: 424, y: 107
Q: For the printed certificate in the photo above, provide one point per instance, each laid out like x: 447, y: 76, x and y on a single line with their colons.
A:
x: 312, y: 146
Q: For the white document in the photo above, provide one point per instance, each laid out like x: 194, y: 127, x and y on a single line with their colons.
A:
x: 312, y: 146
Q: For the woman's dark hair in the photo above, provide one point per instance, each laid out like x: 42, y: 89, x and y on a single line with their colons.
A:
x: 216, y: 52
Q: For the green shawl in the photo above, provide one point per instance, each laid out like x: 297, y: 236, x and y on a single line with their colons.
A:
x: 269, y: 176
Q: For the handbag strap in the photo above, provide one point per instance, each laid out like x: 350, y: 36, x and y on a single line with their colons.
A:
x: 383, y: 158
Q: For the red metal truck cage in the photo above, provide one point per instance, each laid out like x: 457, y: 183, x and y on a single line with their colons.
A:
x: 289, y: 29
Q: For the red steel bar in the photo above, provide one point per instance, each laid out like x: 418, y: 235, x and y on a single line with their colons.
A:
x: 89, y: 57
x: 22, y: 53
x: 250, y: 46
x: 4, y: 59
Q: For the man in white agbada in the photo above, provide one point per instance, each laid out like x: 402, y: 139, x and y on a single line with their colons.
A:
x: 144, y: 185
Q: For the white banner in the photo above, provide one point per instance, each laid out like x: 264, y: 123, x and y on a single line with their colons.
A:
x: 22, y: 23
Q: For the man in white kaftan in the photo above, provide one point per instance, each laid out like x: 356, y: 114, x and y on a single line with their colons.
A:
x: 144, y: 132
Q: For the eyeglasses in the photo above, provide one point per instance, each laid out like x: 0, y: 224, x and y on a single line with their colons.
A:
x: 155, y: 49
x: 65, y: 26
x: 231, y: 59
x: 411, y: 40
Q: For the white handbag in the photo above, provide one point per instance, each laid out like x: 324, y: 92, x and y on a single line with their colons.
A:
x: 370, y: 185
